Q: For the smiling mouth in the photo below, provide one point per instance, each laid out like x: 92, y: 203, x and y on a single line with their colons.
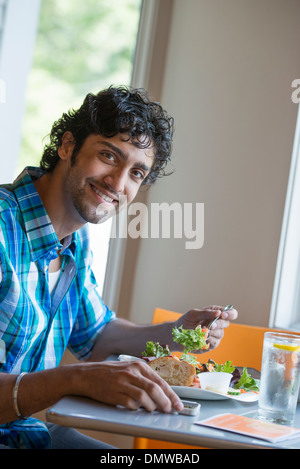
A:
x: 103, y: 196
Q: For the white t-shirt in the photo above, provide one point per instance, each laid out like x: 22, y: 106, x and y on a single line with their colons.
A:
x: 53, y: 279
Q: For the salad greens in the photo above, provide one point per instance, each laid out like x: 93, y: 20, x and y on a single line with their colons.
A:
x: 239, y: 381
x: 226, y: 368
x: 246, y: 382
x: 191, y: 339
x: 156, y: 350
x: 190, y: 358
x: 195, y: 339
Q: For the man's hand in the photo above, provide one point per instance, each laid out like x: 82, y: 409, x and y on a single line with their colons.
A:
x: 204, y: 316
x: 130, y: 384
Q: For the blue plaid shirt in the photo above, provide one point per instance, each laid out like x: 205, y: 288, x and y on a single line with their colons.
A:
x: 36, y: 326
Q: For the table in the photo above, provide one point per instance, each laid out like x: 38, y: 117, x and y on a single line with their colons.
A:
x: 85, y: 413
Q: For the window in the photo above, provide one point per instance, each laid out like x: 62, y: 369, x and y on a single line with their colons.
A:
x: 285, y: 310
x: 80, y: 47
x: 17, y: 36
x: 2, y: 22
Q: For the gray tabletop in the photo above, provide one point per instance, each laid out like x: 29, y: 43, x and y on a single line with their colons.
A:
x: 88, y: 414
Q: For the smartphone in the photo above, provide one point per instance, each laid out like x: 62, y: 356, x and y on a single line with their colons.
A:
x: 190, y: 408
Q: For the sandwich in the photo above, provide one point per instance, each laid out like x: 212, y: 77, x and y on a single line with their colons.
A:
x: 174, y: 371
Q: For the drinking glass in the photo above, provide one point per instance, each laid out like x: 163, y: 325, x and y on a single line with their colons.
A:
x: 280, y: 378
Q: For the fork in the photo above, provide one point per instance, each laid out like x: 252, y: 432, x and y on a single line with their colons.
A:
x: 227, y: 308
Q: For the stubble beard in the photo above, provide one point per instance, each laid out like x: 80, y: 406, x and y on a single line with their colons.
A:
x: 81, y: 201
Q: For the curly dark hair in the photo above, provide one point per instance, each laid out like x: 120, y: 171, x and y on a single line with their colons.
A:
x: 112, y: 111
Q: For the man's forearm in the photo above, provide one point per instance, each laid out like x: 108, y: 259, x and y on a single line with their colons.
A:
x: 41, y: 389
x: 37, y: 391
x: 121, y: 336
x: 132, y: 385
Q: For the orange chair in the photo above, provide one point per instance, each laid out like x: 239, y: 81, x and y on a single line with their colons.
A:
x: 241, y: 344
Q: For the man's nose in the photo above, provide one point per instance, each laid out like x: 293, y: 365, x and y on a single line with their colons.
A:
x: 116, y: 181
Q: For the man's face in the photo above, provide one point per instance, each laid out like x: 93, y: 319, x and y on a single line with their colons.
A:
x: 105, y: 176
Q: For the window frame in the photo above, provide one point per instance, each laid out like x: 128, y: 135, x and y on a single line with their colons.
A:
x: 285, y: 307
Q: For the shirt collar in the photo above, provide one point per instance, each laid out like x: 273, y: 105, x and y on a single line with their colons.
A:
x: 40, y: 232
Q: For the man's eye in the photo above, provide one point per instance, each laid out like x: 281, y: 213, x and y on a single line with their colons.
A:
x: 138, y: 175
x: 108, y: 156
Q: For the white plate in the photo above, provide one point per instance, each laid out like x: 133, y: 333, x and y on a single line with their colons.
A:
x: 129, y: 358
x: 187, y: 392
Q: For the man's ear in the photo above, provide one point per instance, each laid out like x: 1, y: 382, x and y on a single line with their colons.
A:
x: 66, y: 148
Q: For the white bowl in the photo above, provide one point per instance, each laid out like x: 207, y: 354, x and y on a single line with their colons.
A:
x: 215, y: 381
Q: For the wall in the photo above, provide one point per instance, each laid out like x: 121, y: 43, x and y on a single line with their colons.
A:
x: 227, y: 82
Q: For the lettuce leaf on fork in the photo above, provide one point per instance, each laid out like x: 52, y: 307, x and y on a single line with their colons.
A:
x: 191, y: 339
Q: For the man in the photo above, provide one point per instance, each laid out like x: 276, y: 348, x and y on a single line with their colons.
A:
x: 98, y: 156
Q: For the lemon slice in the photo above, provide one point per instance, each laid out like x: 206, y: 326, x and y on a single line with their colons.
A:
x: 289, y: 348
